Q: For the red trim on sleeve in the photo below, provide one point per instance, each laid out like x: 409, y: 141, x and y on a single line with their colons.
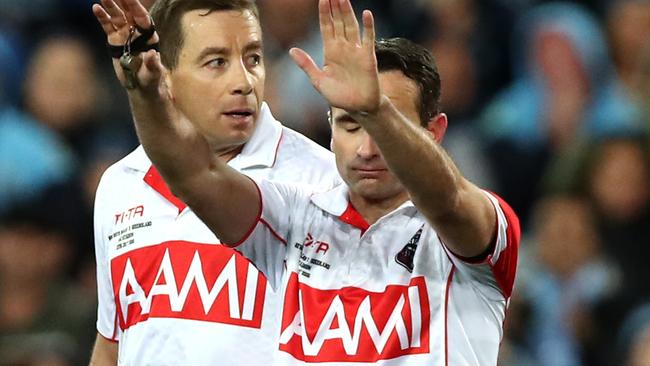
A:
x: 504, y: 270
x: 108, y: 339
x: 115, y: 325
x: 155, y: 180
x: 257, y: 219
x: 353, y: 217
x: 273, y: 232
x: 449, y: 279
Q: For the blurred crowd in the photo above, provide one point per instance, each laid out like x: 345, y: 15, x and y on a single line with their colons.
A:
x: 549, y: 106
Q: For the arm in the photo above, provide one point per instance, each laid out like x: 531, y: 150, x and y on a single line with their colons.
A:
x: 179, y: 152
x: 104, y: 352
x: 226, y: 200
x: 460, y: 212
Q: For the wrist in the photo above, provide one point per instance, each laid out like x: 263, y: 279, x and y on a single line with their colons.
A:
x: 363, y: 115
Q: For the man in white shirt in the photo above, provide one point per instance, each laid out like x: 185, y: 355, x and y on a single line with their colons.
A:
x: 407, y: 263
x: 168, y: 293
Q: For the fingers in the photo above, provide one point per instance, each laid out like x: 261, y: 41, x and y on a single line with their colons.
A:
x: 368, y: 29
x: 117, y: 16
x: 337, y: 19
x: 149, y: 75
x: 153, y: 68
x: 138, y: 12
x: 349, y: 21
x: 307, y: 64
x: 325, y: 19
x: 128, y: 15
x: 113, y: 21
x: 104, y: 19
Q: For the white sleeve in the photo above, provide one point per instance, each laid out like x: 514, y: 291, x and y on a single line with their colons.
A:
x: 498, y: 269
x: 106, y: 312
x: 266, y: 243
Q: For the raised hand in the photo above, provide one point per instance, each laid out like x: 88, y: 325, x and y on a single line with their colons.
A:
x: 349, y: 78
x: 117, y: 17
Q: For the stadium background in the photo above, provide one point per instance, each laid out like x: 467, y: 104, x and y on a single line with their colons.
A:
x: 548, y: 106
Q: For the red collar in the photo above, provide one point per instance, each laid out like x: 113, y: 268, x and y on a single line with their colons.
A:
x: 153, y: 179
x: 354, y: 218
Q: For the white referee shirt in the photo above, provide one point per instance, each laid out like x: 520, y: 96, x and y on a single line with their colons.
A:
x: 390, y: 293
x: 167, y: 293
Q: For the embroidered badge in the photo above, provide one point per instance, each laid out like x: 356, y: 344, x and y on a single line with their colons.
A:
x: 405, y: 256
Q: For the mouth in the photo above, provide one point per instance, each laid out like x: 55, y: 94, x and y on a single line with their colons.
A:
x: 369, y: 172
x: 240, y: 118
x: 239, y: 113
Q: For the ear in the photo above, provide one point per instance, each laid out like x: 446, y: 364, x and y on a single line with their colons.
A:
x: 438, y: 126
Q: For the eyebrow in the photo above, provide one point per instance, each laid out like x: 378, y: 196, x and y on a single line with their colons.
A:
x: 211, y: 51
x: 255, y: 45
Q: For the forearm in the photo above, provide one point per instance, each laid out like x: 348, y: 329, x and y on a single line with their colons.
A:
x: 460, y: 212
x: 413, y: 155
x: 226, y: 200
x: 104, y: 352
x: 172, y: 144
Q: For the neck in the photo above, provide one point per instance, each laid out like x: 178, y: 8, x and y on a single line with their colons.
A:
x: 226, y: 154
x: 372, y: 210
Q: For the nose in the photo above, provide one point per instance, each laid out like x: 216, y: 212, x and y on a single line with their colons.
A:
x: 367, y: 148
x: 241, y: 79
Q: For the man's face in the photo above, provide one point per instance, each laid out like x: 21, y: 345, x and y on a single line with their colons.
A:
x: 358, y: 158
x: 218, y: 83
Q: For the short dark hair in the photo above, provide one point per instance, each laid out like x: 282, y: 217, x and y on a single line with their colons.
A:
x: 167, y: 15
x: 416, y: 63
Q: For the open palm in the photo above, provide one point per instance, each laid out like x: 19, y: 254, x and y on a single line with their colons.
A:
x: 349, y: 78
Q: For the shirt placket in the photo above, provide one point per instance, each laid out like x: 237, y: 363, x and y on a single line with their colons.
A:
x: 358, y: 266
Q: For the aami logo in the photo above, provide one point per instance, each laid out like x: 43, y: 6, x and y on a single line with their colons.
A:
x: 187, y: 280
x: 355, y: 325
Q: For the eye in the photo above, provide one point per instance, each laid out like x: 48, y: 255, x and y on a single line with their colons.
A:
x: 216, y: 63
x: 352, y: 127
x: 255, y: 59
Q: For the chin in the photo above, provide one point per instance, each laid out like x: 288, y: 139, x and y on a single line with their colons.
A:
x: 239, y: 130
x: 228, y: 138
x: 239, y: 137
x: 239, y: 124
x: 370, y: 190
x: 377, y: 190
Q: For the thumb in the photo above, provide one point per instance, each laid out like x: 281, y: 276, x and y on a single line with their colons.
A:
x: 307, y: 64
x: 151, y: 71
